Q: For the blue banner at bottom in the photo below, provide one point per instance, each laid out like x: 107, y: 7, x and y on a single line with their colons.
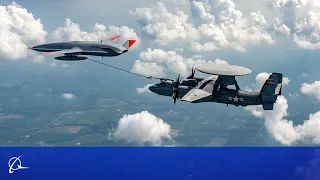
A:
x: 159, y: 163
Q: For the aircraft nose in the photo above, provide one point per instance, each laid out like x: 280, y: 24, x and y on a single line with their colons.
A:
x: 124, y: 51
x: 152, y: 88
x: 35, y: 47
x: 32, y: 47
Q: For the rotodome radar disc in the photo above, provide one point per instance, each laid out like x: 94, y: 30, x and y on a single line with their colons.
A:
x: 223, y: 69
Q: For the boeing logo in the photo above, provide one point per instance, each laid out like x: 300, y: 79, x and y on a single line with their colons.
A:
x: 15, y: 164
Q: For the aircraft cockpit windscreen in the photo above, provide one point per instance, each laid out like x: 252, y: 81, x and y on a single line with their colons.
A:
x: 161, y: 84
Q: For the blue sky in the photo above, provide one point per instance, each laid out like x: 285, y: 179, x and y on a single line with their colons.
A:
x: 255, y: 40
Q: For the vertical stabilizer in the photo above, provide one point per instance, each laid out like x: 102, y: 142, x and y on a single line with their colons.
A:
x: 128, y: 43
x: 270, y: 90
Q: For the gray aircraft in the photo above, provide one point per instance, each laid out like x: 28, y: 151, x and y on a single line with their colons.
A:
x: 215, y: 87
x: 79, y: 50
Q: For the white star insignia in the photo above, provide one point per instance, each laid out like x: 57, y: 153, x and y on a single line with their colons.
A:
x: 235, y: 99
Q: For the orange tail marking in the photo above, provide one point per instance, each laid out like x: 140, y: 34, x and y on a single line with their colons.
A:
x: 115, y: 37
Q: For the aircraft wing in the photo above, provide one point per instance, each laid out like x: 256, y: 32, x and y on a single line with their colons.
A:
x: 195, y: 95
x: 72, y: 51
x: 201, y: 91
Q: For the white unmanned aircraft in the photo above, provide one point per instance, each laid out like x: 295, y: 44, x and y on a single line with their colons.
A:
x: 79, y: 50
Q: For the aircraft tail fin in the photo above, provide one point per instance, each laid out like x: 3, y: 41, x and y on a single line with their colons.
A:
x: 129, y: 43
x: 270, y: 90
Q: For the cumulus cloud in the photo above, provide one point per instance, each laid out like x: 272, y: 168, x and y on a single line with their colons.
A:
x: 141, y: 128
x: 174, y: 61
x: 281, y: 28
x: 302, y: 17
x: 234, y: 31
x: 283, y: 129
x: 211, y: 25
x: 312, y: 89
x: 148, y: 69
x: 72, y: 32
x: 68, y: 96
x: 144, y: 89
x: 18, y: 27
x: 208, y: 26
x: 162, y: 26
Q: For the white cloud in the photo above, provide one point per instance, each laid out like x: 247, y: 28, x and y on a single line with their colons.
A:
x: 68, y: 96
x: 18, y: 27
x: 307, y: 31
x: 174, y: 61
x: 211, y: 25
x: 163, y: 26
x: 217, y: 21
x: 202, y: 11
x: 141, y: 128
x: 302, y: 17
x: 234, y: 30
x: 72, y: 31
x: 312, y: 89
x: 282, y: 129
x: 144, y: 89
x: 282, y: 28
x: 148, y: 69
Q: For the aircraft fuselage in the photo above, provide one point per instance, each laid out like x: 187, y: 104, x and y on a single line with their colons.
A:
x: 89, y: 48
x: 234, y: 97
x: 224, y: 96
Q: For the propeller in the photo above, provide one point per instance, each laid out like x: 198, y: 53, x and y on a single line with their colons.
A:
x: 175, y: 89
x: 192, y: 73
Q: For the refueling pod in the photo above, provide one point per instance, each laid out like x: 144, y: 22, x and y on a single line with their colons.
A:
x: 71, y: 58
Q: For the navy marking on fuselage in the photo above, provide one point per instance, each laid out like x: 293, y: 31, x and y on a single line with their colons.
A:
x: 253, y: 100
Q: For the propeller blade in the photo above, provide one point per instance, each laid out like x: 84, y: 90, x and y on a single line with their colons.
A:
x: 114, y: 37
x: 193, y: 70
